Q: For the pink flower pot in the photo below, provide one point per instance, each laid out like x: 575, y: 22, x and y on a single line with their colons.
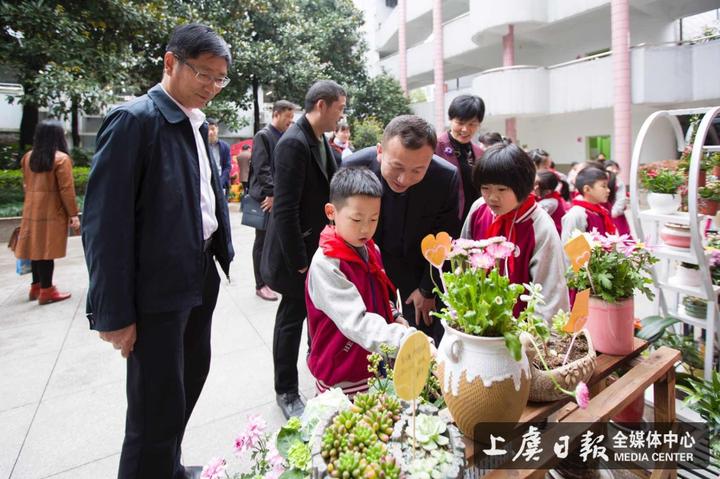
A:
x: 611, y: 326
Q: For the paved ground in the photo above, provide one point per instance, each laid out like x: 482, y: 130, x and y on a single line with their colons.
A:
x: 62, y: 400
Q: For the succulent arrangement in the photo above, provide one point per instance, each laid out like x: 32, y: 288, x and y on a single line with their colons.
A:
x: 355, y: 443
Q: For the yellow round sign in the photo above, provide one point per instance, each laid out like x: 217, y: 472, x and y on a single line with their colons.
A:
x: 412, y: 366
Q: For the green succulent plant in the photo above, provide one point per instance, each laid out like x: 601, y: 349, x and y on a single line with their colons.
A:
x: 428, y: 431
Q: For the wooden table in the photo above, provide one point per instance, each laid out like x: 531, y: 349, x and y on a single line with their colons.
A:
x: 657, y: 370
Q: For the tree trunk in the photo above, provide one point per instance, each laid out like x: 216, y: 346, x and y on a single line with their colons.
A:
x: 75, y: 124
x: 256, y: 105
x: 28, y: 123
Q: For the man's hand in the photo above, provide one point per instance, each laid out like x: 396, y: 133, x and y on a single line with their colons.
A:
x: 423, y: 306
x: 403, y: 321
x: 267, y: 204
x: 122, y: 339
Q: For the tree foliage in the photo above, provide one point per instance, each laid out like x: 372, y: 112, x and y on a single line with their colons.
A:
x: 381, y: 98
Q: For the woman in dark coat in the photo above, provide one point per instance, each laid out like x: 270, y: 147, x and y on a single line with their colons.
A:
x: 48, y: 209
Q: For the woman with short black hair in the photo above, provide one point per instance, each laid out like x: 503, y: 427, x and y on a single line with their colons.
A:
x: 466, y: 114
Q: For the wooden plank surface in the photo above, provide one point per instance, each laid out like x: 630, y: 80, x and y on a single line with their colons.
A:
x: 657, y: 369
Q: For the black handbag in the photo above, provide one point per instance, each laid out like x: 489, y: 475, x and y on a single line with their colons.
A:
x: 253, y: 214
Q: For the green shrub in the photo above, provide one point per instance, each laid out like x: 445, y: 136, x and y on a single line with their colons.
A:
x: 11, y: 184
x: 8, y: 157
x: 11, y: 209
x: 81, y: 157
x: 366, y: 133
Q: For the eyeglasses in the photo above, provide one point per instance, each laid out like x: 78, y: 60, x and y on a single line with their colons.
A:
x: 204, y: 78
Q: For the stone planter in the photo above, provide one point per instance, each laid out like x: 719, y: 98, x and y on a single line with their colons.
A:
x: 663, y: 203
x: 480, y: 381
x: 542, y: 388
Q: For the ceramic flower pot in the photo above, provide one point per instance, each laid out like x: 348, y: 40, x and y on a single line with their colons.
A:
x: 707, y: 207
x: 686, y: 276
x: 663, y: 203
x: 676, y: 235
x: 611, y: 326
x: 542, y: 388
x: 481, y: 381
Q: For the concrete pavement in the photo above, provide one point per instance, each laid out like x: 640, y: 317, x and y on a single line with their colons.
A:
x: 62, y: 396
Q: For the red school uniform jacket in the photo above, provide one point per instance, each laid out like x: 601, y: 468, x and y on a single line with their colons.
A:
x: 349, y: 312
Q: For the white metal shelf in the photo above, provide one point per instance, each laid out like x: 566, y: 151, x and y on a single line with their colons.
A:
x: 667, y: 289
x: 680, y: 217
x: 697, y: 291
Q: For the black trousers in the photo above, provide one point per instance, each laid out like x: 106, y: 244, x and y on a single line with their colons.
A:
x: 257, y: 255
x: 165, y: 374
x: 42, y: 272
x: 286, y: 342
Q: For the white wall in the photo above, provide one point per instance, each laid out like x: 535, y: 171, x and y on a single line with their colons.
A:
x: 10, y: 115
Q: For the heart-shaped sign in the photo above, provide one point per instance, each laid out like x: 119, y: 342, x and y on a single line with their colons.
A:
x: 436, y: 248
x: 579, y: 313
x: 578, y: 252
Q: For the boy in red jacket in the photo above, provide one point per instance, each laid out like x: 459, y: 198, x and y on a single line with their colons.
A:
x: 347, y: 293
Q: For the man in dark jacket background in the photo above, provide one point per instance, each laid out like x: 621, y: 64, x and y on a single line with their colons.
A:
x: 220, y: 153
x: 304, y: 166
x: 420, y: 197
x: 261, y: 180
x: 154, y: 218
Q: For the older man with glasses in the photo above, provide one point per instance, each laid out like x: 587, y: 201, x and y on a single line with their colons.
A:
x: 155, y: 221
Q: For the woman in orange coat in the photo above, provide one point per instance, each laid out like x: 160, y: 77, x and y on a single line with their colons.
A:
x: 48, y: 209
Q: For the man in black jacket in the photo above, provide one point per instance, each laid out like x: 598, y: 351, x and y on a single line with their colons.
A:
x: 304, y: 166
x: 261, y: 180
x: 420, y: 197
x: 154, y: 218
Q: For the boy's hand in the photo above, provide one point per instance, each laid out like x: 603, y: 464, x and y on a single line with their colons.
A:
x: 403, y: 321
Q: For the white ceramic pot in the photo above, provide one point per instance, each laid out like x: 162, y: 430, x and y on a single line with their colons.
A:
x: 686, y: 276
x: 663, y: 203
x: 481, y: 381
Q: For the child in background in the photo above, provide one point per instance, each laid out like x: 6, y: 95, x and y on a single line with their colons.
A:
x: 588, y: 212
x: 505, y: 178
x: 618, y: 199
x: 347, y: 293
x: 546, y: 185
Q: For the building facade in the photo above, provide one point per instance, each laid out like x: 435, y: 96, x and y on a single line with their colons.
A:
x: 575, y: 77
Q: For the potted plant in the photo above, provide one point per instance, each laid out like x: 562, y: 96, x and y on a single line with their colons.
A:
x: 662, y: 185
x: 709, y: 197
x: 704, y: 397
x: 618, y: 268
x: 563, y: 361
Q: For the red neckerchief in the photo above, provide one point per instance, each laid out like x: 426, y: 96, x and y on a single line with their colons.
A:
x: 335, y: 247
x: 602, y: 211
x: 554, y: 195
x: 503, y: 225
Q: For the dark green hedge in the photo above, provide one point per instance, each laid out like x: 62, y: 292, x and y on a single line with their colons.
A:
x: 11, y: 184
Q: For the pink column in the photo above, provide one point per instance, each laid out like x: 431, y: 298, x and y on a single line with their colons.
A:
x: 439, y: 67
x: 508, y: 61
x: 402, y: 44
x: 622, y: 93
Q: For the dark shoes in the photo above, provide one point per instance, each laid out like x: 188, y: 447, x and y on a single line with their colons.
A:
x: 291, y: 404
x: 266, y: 293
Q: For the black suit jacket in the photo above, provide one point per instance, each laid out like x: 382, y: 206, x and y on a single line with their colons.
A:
x: 432, y: 206
x: 261, y: 164
x: 142, y: 224
x: 301, y: 189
